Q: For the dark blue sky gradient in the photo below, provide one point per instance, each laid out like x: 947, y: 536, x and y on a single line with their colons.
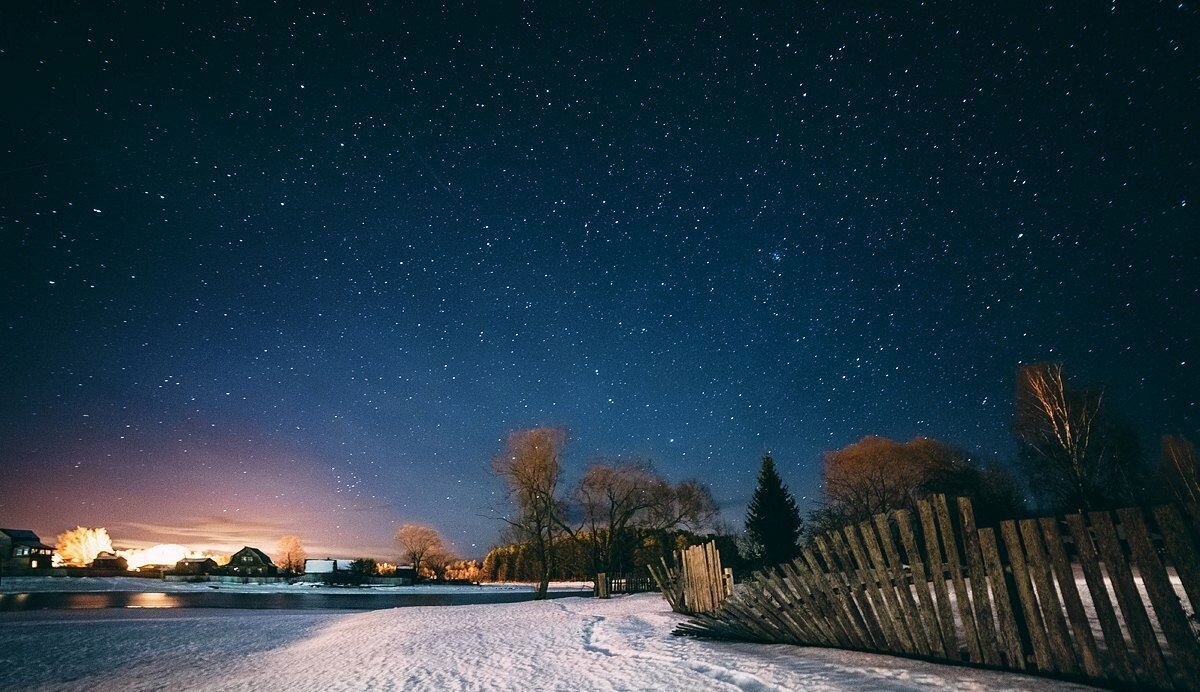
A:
x: 274, y: 270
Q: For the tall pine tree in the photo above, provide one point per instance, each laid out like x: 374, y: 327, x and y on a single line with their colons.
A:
x: 773, y: 521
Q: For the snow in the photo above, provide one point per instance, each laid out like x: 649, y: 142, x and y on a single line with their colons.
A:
x: 564, y: 644
x: 138, y: 584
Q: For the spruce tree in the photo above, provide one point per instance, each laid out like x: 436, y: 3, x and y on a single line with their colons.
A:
x: 773, y: 521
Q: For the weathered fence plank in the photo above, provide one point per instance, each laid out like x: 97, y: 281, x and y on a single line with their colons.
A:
x: 871, y: 588
x: 1081, y: 629
x: 843, y: 578
x: 885, y: 640
x: 954, y: 563
x: 835, y: 604
x: 1029, y: 605
x: 894, y: 571
x: 984, y: 627
x: 809, y: 612
x: 1118, y: 660
x: 1133, y: 611
x: 774, y: 607
x: 1052, y: 613
x: 1006, y: 622
x: 1169, y: 611
x: 1181, y: 549
x: 929, y: 612
x: 937, y: 574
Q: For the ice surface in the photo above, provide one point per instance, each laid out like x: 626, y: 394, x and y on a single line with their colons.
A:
x: 93, y: 584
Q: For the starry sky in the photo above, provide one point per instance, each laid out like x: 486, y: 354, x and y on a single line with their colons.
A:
x: 275, y: 269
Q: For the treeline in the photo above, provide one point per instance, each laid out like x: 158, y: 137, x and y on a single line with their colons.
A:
x: 615, y: 503
x: 1075, y: 453
x: 574, y: 562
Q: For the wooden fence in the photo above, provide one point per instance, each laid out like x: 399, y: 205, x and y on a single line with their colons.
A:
x: 1085, y: 598
x: 607, y: 585
x: 698, y: 584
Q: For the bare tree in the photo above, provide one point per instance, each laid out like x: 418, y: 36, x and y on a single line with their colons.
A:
x: 875, y: 475
x: 417, y: 543
x: 291, y: 554
x: 1061, y: 434
x: 688, y: 505
x: 615, y: 497
x: 530, y: 467
x: 1179, y: 469
x: 871, y: 476
x: 438, y: 560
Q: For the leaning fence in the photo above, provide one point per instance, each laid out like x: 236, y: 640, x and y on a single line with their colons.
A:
x: 1087, y: 597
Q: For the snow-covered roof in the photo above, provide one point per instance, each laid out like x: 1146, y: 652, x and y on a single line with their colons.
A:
x: 326, y: 565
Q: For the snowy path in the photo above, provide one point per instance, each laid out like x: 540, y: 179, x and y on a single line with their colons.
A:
x: 567, y: 644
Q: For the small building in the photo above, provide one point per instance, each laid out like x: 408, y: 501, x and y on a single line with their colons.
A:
x: 110, y: 561
x: 331, y: 571
x: 326, y: 566
x: 195, y: 566
x: 21, y: 550
x: 251, y: 562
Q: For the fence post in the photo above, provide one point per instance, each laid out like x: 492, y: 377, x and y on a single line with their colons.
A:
x: 601, y: 585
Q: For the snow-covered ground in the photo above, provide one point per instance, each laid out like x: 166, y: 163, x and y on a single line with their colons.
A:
x: 565, y: 644
x: 94, y: 584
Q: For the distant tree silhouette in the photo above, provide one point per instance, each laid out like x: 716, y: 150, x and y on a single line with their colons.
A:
x: 1076, y: 453
x: 1178, y: 468
x: 531, y: 470
x: 617, y: 498
x: 419, y: 543
x: 773, y: 524
x: 438, y: 560
x: 876, y: 475
x: 291, y: 554
x: 364, y: 566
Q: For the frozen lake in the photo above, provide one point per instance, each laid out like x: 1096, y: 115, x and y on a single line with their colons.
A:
x: 324, y: 600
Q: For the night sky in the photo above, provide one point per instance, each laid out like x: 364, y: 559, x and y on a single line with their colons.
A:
x: 270, y: 270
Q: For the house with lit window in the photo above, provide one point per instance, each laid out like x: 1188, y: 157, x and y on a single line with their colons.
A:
x: 21, y: 551
x: 196, y: 566
x: 110, y: 562
x: 251, y: 562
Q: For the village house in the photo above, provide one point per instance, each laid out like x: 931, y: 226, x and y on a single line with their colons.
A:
x: 196, y: 566
x: 21, y: 550
x: 251, y: 562
x: 327, y: 566
x: 110, y: 562
x: 329, y: 570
